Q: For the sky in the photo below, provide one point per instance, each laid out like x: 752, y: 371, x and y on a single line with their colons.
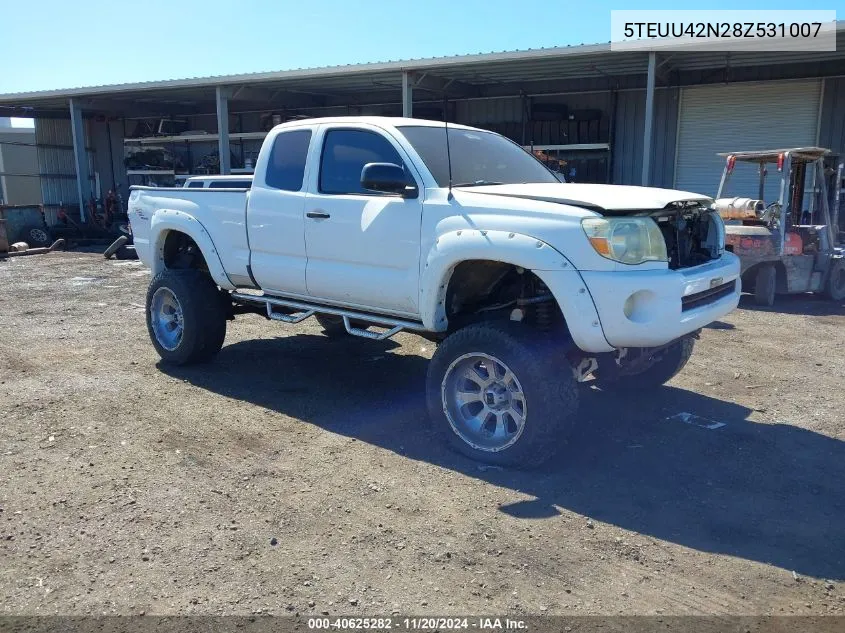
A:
x: 52, y: 44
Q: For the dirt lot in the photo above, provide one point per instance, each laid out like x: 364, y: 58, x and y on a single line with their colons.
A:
x: 298, y: 475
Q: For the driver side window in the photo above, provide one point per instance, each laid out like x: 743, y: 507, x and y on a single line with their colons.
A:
x: 345, y: 152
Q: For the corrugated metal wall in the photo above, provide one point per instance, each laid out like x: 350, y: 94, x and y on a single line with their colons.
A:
x: 56, y: 163
x: 832, y: 124
x: 485, y: 111
x: 628, y: 137
x: 107, y: 144
x: 630, y: 123
x: 19, y: 156
x: 505, y: 115
x: 743, y: 116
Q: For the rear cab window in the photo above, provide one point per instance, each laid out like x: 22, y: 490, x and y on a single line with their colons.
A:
x: 286, y: 167
x: 230, y: 184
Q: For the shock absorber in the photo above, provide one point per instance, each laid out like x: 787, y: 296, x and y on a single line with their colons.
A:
x: 544, y: 314
x: 541, y: 305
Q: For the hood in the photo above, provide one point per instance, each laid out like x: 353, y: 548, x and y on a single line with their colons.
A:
x: 616, y: 199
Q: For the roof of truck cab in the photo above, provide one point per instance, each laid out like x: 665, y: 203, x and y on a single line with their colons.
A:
x: 380, y: 121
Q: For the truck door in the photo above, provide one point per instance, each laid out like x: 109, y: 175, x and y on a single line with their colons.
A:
x: 275, y: 214
x: 363, y: 247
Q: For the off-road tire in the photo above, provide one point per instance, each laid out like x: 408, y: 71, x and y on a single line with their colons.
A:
x: 669, y: 365
x: 333, y: 325
x: 550, y: 390
x: 765, y: 284
x: 835, y: 287
x: 204, y: 316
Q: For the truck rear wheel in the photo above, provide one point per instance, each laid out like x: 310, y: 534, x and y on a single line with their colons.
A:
x: 669, y: 364
x: 765, y: 284
x: 499, y: 396
x: 186, y: 318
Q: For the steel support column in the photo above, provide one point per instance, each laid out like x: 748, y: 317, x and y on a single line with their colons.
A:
x: 648, y: 130
x: 80, y: 157
x: 223, y: 130
x: 407, y: 94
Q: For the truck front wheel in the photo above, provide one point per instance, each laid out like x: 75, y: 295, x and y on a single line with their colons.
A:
x: 667, y: 364
x: 499, y: 396
x: 186, y: 317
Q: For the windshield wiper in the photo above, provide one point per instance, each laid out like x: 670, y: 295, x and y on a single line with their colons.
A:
x: 477, y: 183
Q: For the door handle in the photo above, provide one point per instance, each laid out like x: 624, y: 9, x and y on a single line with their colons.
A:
x: 318, y: 215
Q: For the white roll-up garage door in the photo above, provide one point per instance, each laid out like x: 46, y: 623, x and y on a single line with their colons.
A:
x: 740, y: 117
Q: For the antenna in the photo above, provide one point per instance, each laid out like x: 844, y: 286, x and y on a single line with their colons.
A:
x: 448, y: 151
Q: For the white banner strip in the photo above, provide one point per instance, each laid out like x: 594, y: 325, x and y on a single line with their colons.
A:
x: 711, y: 30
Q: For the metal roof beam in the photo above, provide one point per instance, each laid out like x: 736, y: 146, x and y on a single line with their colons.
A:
x: 281, y: 97
x: 357, y: 99
x: 664, y: 69
x: 441, y: 85
x: 136, y: 108
x: 31, y: 113
x: 564, y: 84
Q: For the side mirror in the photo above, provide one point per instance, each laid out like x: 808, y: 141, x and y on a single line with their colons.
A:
x: 387, y: 178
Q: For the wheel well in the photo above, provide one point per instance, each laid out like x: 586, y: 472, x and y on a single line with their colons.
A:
x: 180, y: 251
x: 490, y: 290
x: 749, y: 276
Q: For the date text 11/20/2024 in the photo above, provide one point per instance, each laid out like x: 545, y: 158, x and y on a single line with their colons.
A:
x: 416, y: 624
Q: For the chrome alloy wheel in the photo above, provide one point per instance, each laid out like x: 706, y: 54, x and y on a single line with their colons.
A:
x: 166, y: 318
x: 483, y: 402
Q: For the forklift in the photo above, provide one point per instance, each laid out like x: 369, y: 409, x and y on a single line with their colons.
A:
x: 783, y: 248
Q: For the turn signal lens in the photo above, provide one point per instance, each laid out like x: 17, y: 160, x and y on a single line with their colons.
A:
x: 626, y: 240
x: 601, y: 246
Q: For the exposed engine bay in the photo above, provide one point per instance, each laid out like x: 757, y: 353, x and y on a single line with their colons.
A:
x: 694, y: 233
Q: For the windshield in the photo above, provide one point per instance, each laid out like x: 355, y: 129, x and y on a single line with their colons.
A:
x: 478, y: 158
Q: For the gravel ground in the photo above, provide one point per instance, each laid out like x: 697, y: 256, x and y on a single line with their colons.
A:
x: 298, y: 474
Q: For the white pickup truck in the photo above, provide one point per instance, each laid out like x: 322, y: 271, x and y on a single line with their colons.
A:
x: 378, y: 225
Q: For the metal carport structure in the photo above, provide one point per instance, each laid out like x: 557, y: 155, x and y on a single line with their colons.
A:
x: 637, y: 85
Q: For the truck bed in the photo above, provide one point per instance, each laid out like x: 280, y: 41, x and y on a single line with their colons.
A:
x: 220, y: 212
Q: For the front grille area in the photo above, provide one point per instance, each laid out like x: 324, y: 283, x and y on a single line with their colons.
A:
x: 706, y: 297
x: 693, y: 235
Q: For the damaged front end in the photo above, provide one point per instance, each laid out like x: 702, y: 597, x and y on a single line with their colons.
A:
x: 694, y: 233
x: 683, y: 234
x: 625, y: 361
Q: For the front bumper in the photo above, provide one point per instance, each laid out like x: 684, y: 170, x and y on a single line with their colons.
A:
x: 650, y: 308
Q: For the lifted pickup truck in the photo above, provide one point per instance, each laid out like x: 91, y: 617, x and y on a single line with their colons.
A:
x: 378, y: 225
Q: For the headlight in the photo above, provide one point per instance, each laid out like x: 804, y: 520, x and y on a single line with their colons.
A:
x: 626, y: 240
